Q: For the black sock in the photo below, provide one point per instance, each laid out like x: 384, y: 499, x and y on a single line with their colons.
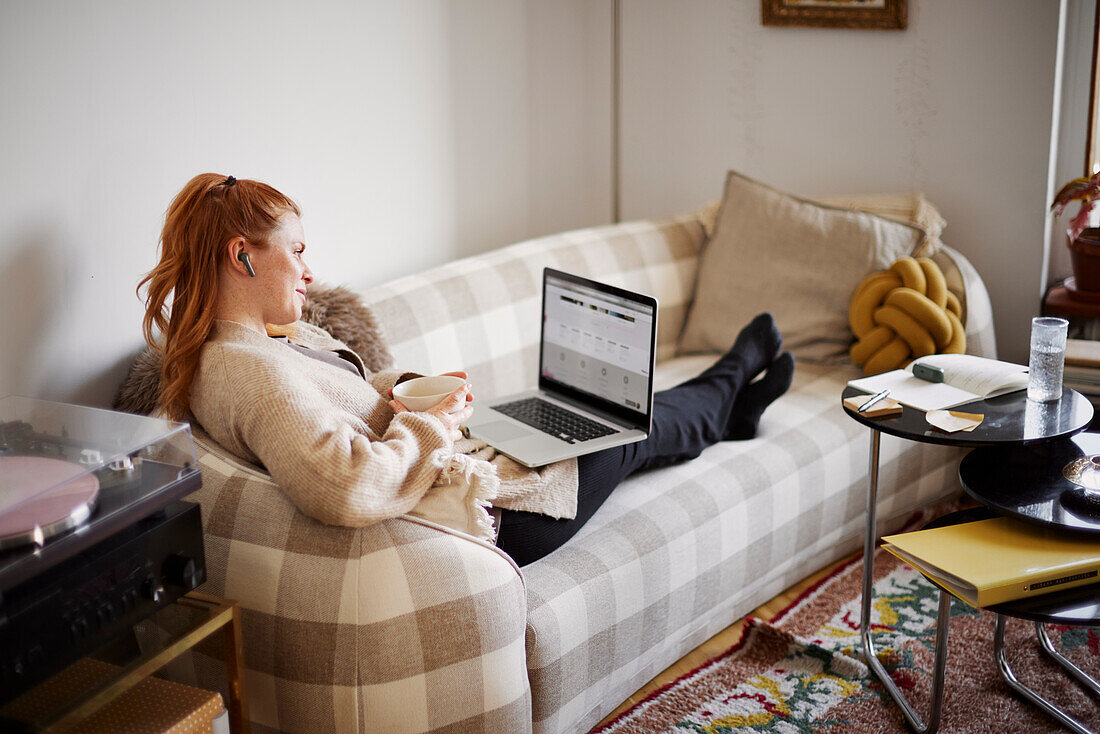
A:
x: 752, y: 351
x: 755, y: 348
x: 755, y: 397
x: 757, y: 345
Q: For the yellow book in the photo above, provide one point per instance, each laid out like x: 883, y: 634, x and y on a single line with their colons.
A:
x: 992, y: 561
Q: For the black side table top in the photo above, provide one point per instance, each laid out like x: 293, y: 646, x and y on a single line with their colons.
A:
x: 1010, y: 420
x: 1028, y: 482
x: 1076, y: 606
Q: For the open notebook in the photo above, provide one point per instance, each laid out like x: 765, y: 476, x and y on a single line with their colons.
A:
x: 965, y: 378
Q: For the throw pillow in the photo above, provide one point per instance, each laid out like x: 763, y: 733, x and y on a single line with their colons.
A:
x: 912, y: 208
x: 904, y: 313
x: 335, y: 309
x: 800, y: 260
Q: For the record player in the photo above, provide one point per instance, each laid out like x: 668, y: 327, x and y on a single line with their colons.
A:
x: 92, y: 535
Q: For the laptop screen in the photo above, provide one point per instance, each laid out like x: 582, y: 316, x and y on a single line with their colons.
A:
x: 598, y: 345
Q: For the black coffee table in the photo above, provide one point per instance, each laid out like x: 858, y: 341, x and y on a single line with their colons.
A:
x: 1010, y: 422
x: 1028, y: 483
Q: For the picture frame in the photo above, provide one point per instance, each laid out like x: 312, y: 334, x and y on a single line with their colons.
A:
x: 868, y: 14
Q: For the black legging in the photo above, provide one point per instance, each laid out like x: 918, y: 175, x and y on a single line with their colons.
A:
x: 686, y: 419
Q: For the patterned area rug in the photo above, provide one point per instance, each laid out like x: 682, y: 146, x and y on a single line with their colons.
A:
x: 803, y: 671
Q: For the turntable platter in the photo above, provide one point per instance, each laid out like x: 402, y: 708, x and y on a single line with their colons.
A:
x: 45, y: 512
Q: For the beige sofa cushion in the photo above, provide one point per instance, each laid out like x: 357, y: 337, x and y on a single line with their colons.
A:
x: 796, y: 258
x: 909, y: 207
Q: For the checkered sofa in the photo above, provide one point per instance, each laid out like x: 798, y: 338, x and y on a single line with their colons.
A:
x: 409, y: 626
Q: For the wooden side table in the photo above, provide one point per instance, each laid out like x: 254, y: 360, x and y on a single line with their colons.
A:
x: 180, y: 626
x: 1082, y: 310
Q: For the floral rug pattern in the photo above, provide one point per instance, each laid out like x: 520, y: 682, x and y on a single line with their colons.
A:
x: 803, y: 671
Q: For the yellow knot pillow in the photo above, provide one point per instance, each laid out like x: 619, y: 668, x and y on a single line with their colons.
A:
x: 903, y: 313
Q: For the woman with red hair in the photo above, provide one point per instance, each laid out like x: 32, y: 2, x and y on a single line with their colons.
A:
x: 226, y: 298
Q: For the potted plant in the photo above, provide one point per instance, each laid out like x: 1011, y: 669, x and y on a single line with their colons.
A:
x: 1084, y: 241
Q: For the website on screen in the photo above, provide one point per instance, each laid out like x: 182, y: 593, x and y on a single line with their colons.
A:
x: 597, y: 343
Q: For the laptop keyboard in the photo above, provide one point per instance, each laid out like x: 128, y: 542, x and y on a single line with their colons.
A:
x: 554, y: 420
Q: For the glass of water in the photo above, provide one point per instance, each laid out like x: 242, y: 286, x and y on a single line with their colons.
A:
x: 1048, y: 358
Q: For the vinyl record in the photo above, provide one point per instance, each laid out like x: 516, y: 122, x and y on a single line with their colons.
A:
x: 45, y: 512
x: 1057, y: 482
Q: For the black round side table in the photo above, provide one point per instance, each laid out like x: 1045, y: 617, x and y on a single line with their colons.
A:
x: 1031, y: 483
x: 1027, y: 482
x: 1009, y: 421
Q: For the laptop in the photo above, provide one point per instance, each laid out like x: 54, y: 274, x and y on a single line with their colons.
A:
x: 595, y: 385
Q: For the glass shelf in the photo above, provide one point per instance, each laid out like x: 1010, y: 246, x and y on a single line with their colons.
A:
x: 79, y: 690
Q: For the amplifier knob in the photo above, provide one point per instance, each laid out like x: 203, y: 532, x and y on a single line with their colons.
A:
x: 180, y: 570
x: 152, y: 589
x: 89, y: 619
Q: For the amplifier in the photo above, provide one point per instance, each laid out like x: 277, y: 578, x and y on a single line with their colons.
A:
x: 50, y: 620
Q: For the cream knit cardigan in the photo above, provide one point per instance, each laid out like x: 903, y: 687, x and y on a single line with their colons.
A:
x: 329, y: 438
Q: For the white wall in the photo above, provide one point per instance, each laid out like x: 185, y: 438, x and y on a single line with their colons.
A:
x: 1073, y: 121
x: 957, y: 106
x: 418, y: 131
x: 410, y: 132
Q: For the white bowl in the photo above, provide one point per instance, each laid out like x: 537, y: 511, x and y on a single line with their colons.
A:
x: 422, y: 393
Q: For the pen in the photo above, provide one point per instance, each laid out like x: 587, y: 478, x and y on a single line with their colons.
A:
x: 874, y: 399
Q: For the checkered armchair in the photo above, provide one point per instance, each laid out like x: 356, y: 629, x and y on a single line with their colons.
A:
x: 408, y: 626
x: 396, y: 627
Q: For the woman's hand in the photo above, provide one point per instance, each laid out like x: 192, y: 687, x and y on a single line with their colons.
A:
x: 452, y: 411
x: 460, y: 373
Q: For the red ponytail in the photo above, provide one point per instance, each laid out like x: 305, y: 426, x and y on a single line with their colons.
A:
x: 205, y: 216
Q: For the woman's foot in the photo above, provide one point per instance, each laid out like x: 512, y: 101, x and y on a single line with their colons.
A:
x: 754, y: 349
x: 755, y: 397
x: 757, y: 345
x: 714, y: 391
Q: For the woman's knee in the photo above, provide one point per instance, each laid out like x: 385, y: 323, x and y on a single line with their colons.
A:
x: 528, y: 536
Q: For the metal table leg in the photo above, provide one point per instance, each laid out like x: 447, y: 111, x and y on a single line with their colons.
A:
x: 1082, y: 677
x: 942, y: 619
x: 1027, y: 693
